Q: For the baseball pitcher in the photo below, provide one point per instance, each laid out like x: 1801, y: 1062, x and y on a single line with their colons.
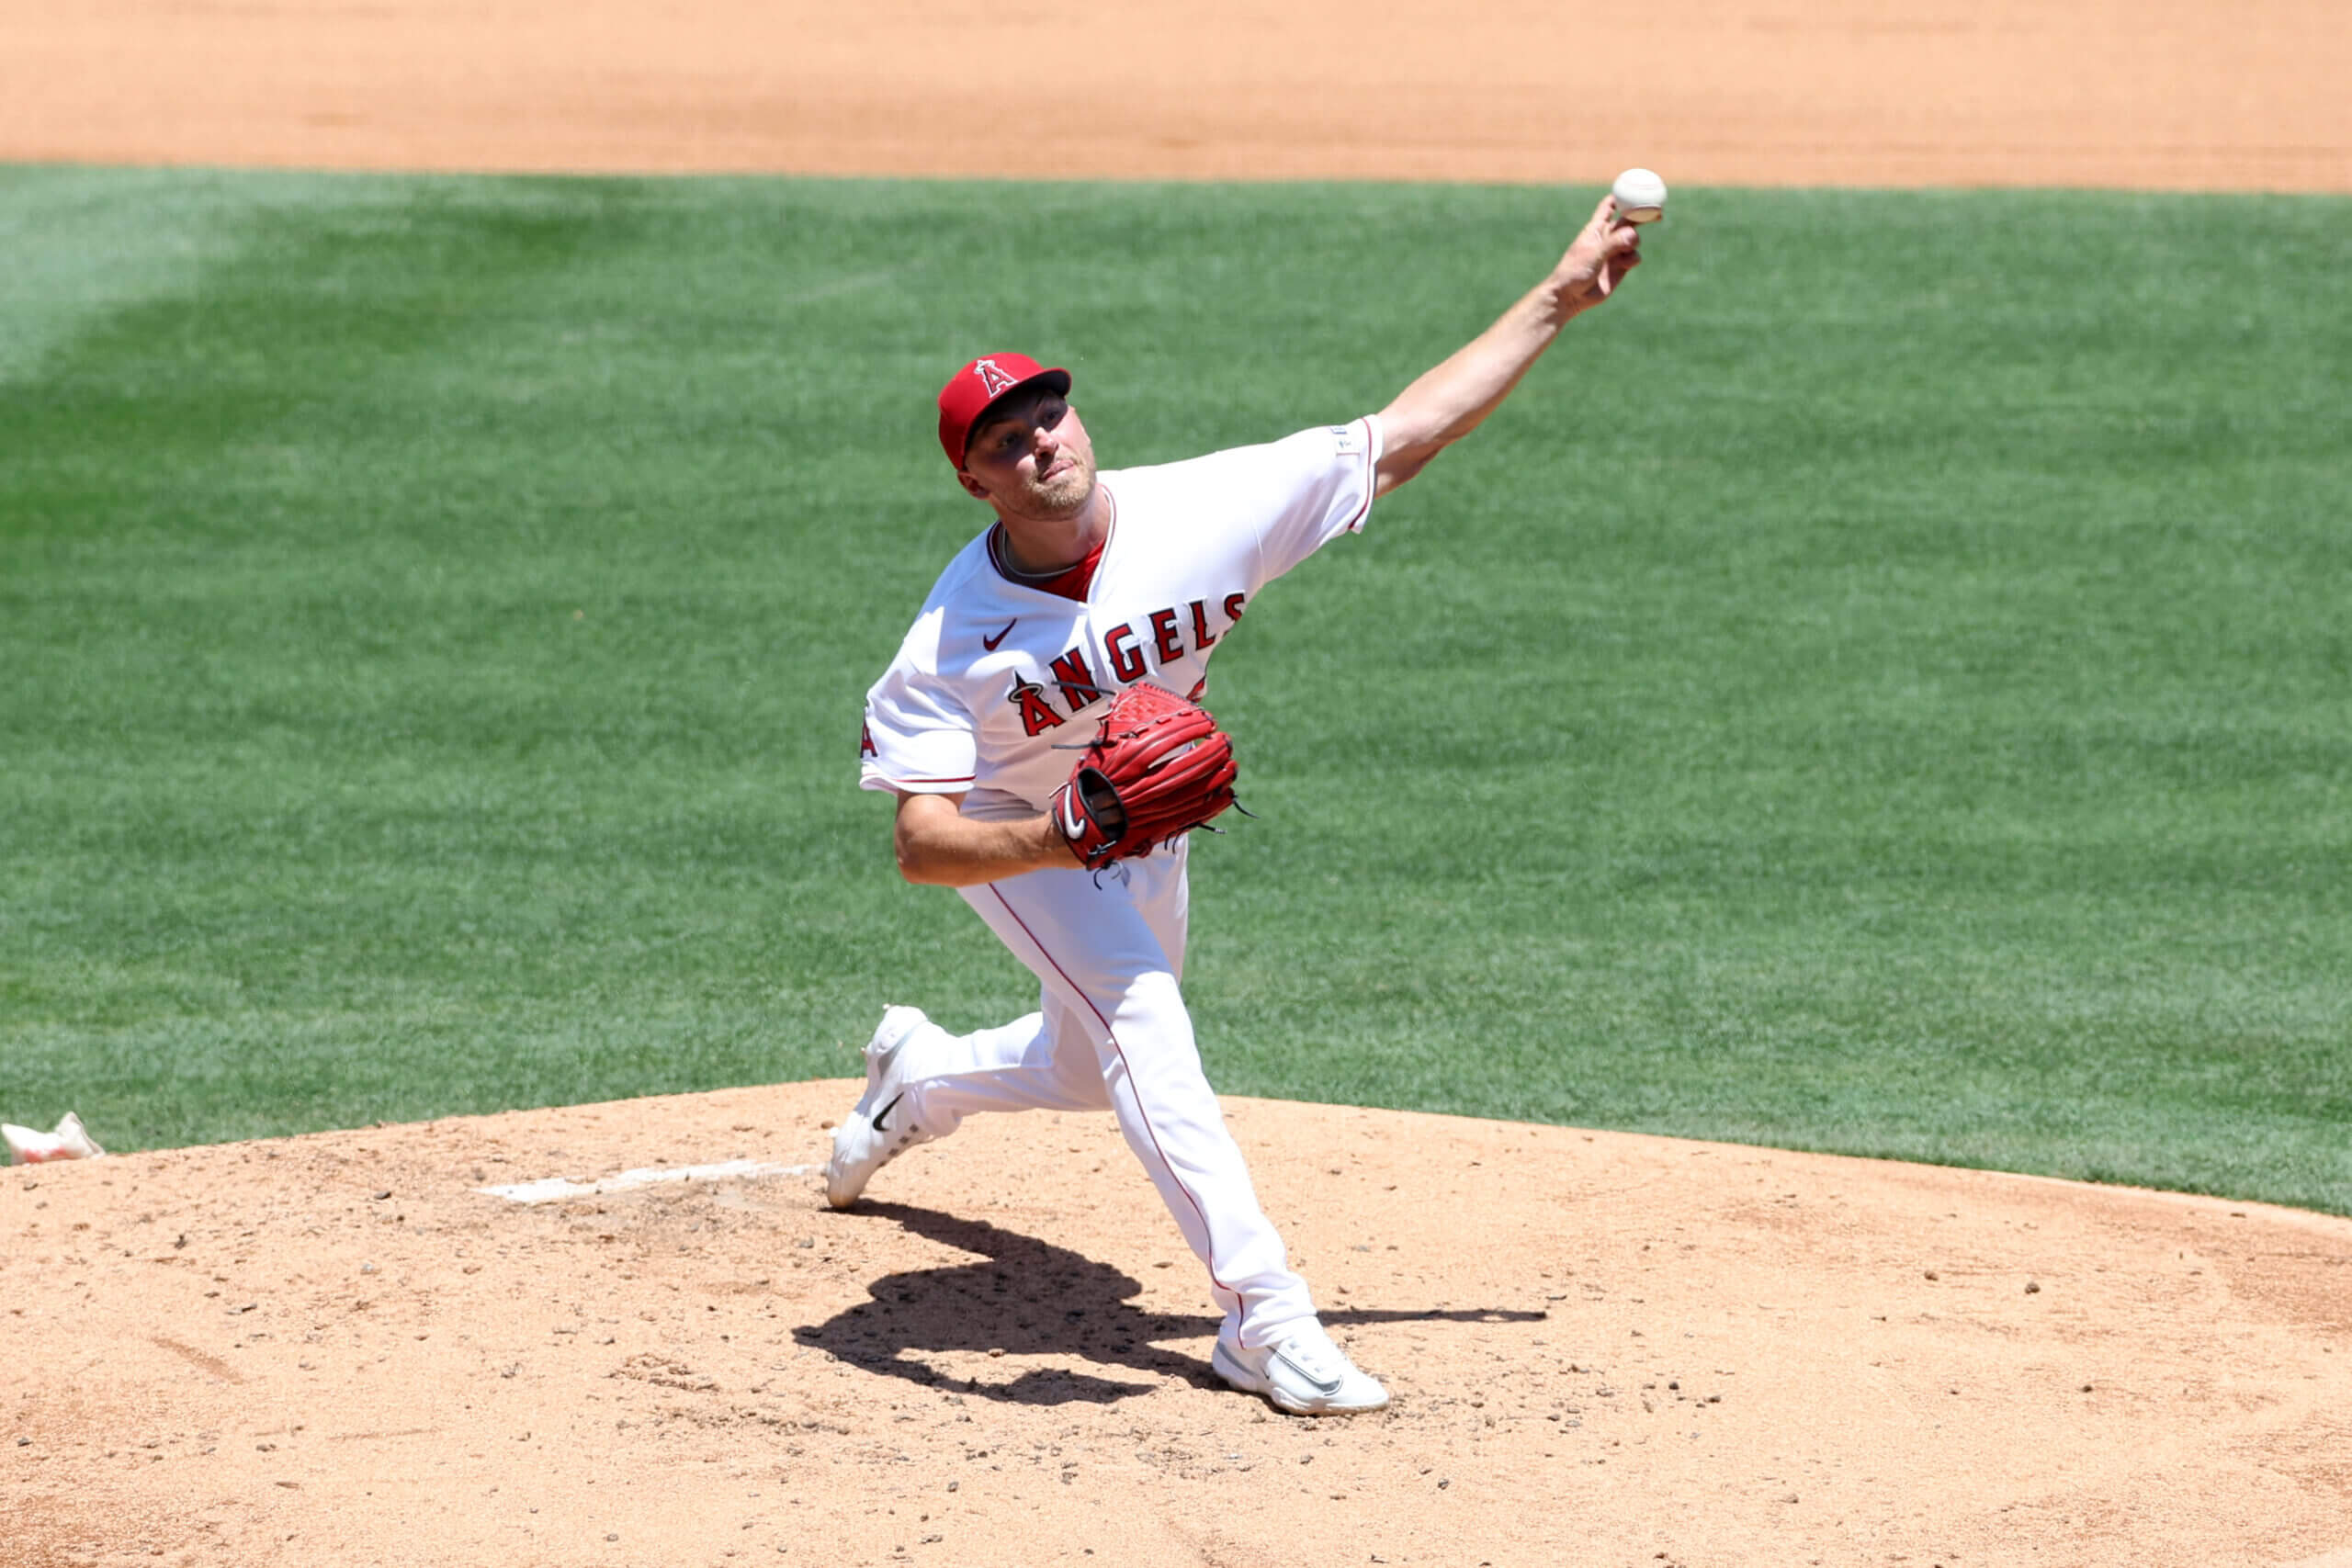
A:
x: 1041, y: 730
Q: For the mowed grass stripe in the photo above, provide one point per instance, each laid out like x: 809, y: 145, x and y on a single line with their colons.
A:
x: 1879, y: 686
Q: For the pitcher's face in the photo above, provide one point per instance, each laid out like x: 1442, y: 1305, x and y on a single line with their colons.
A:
x: 1032, y: 458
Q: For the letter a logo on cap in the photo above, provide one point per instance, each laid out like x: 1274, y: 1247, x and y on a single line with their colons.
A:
x: 995, y: 378
x: 961, y: 401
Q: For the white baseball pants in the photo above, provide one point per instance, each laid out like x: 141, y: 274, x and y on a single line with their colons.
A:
x: 1112, y: 1033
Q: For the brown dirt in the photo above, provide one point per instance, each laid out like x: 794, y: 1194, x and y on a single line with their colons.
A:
x: 1605, y: 1349
x: 2145, y: 93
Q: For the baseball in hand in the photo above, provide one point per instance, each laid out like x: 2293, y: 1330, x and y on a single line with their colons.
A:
x: 1641, y: 197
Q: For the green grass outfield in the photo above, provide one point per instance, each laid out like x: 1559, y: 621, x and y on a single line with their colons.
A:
x: 1884, y: 686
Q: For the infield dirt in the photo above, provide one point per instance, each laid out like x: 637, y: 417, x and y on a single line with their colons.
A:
x: 2153, y: 93
x: 1605, y: 1349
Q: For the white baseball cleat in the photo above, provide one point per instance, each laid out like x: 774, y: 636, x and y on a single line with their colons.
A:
x: 1302, y: 1371
x: 879, y: 1130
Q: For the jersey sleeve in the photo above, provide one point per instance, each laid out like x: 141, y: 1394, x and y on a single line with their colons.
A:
x: 916, y: 737
x: 1320, y: 482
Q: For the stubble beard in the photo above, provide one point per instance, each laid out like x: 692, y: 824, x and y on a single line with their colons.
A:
x: 1065, y: 494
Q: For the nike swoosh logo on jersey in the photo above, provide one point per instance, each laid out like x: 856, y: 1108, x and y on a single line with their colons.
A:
x: 880, y: 1125
x: 989, y: 642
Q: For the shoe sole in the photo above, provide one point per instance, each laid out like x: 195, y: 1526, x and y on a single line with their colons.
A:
x: 835, y: 1175
x: 877, y: 1066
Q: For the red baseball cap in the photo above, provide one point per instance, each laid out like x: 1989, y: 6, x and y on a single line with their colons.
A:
x: 971, y: 392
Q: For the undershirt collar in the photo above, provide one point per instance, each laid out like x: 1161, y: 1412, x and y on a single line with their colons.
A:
x: 1072, y: 581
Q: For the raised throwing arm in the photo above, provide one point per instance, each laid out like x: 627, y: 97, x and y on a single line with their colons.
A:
x: 1447, y: 403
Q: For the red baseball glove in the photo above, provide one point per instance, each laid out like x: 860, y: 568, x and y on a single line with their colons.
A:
x: 1159, y: 768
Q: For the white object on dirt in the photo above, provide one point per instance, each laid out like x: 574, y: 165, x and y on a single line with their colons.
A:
x: 71, y: 1141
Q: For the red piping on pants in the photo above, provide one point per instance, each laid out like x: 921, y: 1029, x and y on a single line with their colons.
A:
x: 1141, y: 1111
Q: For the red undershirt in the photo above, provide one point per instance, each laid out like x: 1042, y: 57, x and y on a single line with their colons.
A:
x: 1072, y: 581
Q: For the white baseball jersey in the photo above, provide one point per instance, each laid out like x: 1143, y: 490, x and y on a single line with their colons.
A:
x: 998, y: 670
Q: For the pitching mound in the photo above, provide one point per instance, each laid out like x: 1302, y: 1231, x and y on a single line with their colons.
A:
x: 1603, y: 1349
